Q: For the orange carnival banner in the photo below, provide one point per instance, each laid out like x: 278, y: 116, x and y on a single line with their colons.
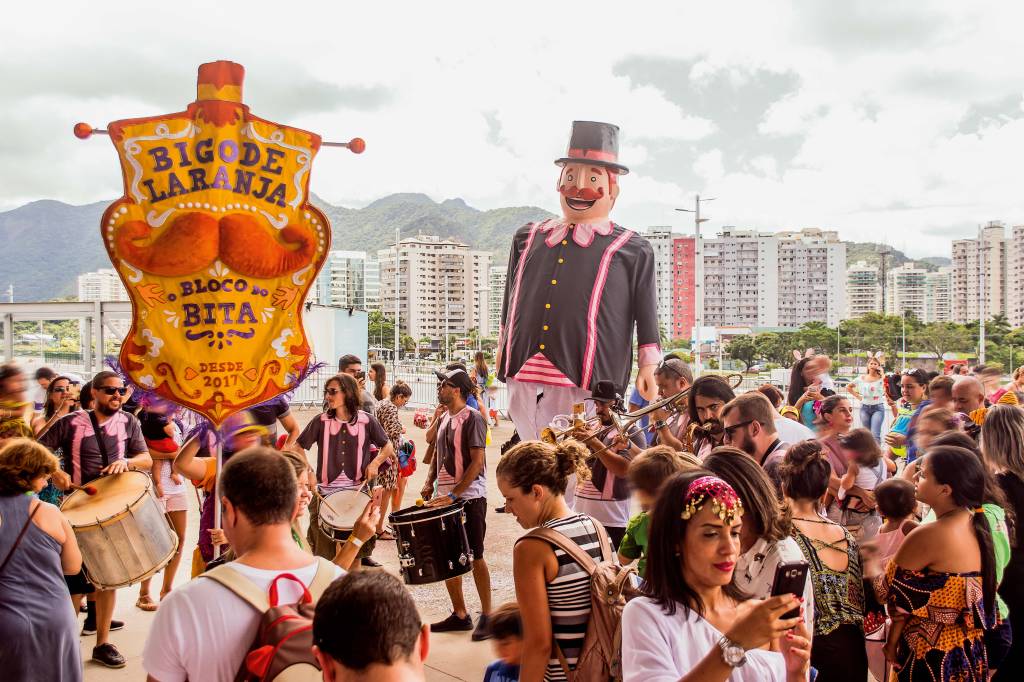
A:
x: 217, y: 246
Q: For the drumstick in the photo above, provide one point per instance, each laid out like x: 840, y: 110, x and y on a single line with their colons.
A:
x: 356, y: 145
x: 87, y: 489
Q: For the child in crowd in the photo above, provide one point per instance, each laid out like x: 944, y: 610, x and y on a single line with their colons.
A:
x: 789, y: 412
x: 506, y: 629
x: 866, y: 468
x: 646, y: 473
x: 897, y: 504
x: 156, y: 419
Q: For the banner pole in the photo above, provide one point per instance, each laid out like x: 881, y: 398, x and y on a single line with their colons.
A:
x: 216, y: 492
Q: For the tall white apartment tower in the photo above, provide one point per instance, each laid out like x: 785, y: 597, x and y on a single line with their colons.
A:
x: 441, y: 286
x: 906, y: 291
x: 741, y: 279
x: 1015, y: 268
x: 812, y: 277
x: 938, y: 300
x: 863, y: 290
x: 101, y: 285
x: 660, y: 239
x: 497, y: 277
x: 981, y: 274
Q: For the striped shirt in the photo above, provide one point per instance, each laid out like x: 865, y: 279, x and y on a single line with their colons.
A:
x: 569, y: 592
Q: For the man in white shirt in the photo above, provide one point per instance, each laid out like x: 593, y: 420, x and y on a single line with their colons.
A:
x: 203, y: 630
x: 387, y: 642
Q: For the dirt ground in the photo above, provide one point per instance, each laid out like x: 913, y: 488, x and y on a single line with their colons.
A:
x: 452, y: 656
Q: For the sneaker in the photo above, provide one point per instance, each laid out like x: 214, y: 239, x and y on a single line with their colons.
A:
x: 499, y: 510
x: 453, y: 624
x: 89, y: 628
x: 108, y: 655
x: 483, y: 629
x: 370, y: 562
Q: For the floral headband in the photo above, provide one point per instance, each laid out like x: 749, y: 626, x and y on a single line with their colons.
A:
x: 725, y: 503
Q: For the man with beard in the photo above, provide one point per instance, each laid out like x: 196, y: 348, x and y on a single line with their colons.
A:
x: 605, y: 497
x: 576, y: 287
x: 709, y: 395
x: 85, y: 457
x: 460, y: 469
x: 748, y: 423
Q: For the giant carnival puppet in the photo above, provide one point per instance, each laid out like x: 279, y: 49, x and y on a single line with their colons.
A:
x: 576, y: 288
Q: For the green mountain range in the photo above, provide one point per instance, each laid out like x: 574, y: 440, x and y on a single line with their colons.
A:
x: 47, y: 244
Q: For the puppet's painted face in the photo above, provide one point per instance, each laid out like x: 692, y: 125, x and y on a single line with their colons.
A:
x: 587, y: 192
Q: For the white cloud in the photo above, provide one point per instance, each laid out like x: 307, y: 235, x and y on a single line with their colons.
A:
x: 459, y: 99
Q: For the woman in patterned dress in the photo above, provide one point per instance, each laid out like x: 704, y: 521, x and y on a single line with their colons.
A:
x: 390, y: 477
x: 942, y: 602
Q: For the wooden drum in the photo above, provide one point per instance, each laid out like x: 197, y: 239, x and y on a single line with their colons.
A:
x: 121, y: 530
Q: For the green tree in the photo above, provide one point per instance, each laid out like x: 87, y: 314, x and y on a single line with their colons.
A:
x: 943, y: 337
x: 775, y: 347
x: 744, y: 349
x: 380, y: 329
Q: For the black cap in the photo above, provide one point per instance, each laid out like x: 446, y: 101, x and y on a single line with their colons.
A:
x: 457, y: 377
x: 605, y: 392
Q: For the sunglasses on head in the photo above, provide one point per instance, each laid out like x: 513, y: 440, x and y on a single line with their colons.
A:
x: 111, y: 390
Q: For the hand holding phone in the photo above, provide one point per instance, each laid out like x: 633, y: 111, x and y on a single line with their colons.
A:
x: 790, y: 579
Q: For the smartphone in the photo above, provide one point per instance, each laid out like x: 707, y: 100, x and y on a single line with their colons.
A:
x: 74, y: 391
x: 790, y: 579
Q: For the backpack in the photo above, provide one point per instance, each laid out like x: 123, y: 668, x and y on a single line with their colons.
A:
x: 611, y: 586
x: 282, y: 649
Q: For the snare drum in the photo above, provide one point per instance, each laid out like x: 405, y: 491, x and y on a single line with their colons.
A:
x: 339, y: 511
x: 121, y: 530
x: 432, y: 543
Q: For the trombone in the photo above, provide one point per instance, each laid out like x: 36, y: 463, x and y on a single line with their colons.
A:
x: 629, y: 426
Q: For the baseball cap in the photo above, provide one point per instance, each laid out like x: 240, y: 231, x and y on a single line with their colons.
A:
x: 457, y: 377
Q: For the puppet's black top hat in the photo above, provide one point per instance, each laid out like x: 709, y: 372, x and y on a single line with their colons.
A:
x: 596, y: 143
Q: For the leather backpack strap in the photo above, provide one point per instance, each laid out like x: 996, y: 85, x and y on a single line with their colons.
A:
x: 17, y: 540
x: 605, y: 542
x: 244, y: 588
x: 323, y: 578
x: 566, y: 545
x: 100, y: 443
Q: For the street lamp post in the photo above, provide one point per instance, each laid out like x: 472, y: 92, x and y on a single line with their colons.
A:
x: 698, y: 275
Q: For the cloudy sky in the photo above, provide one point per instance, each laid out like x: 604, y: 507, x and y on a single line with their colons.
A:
x: 895, y: 121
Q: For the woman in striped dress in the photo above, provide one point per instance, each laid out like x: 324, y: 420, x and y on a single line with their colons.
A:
x: 553, y: 591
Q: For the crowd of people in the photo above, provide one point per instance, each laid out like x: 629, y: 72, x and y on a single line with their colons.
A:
x: 757, y: 536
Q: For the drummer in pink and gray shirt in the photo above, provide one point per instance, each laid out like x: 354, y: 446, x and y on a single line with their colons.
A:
x: 84, y: 458
x: 460, y: 469
x: 343, y: 435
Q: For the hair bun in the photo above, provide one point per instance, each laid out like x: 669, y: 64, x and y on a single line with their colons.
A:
x: 804, y: 454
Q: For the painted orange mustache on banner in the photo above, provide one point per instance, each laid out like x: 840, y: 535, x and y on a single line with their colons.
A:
x: 194, y: 241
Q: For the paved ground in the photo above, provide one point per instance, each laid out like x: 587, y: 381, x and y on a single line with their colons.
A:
x: 452, y: 656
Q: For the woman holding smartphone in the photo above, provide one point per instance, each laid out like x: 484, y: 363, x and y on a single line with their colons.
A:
x: 694, y: 622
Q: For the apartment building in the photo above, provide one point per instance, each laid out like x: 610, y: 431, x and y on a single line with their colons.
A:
x: 938, y: 300
x: 660, y: 239
x: 1015, y: 266
x: 863, y: 290
x: 906, y: 291
x: 811, y: 278
x: 980, y: 274
x: 684, y: 290
x: 342, y: 280
x: 741, y: 279
x: 101, y: 285
x: 440, y: 284
x: 496, y: 278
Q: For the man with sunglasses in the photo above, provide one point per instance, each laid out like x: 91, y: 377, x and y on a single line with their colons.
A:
x: 748, y: 423
x: 460, y: 470
x: 85, y: 458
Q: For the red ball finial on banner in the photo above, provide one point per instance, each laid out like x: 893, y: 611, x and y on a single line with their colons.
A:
x: 83, y: 131
x: 357, y: 145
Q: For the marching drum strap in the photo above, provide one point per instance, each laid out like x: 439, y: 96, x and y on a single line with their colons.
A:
x: 100, y: 441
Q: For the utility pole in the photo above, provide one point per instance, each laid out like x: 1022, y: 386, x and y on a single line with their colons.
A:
x: 698, y: 275
x: 398, y: 289
x: 982, y: 266
x: 884, y: 252
x: 904, y: 314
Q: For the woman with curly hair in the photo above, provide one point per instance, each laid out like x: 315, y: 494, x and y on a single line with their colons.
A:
x: 38, y: 627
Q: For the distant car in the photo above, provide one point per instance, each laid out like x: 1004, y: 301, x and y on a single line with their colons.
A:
x: 754, y: 369
x: 842, y: 382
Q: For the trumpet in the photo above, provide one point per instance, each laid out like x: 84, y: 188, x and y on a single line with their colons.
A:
x: 563, y: 426
x: 673, y: 404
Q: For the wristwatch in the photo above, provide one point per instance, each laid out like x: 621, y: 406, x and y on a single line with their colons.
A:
x: 660, y: 424
x: 732, y: 653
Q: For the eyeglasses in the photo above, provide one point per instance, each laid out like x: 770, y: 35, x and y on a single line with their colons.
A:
x: 332, y: 391
x: 729, y: 430
x: 60, y: 389
x: 111, y: 390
